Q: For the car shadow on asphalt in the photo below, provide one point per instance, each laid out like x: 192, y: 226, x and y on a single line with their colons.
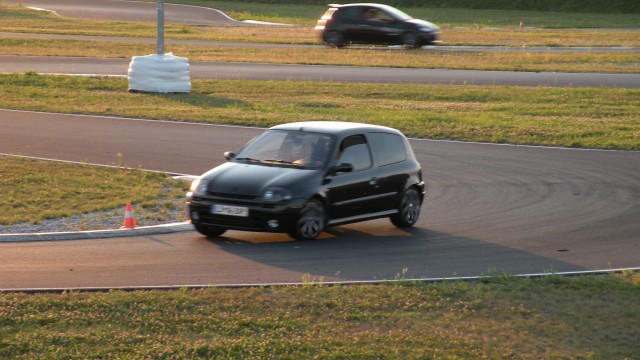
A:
x: 370, y: 252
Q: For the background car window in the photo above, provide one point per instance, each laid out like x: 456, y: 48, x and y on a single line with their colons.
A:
x: 355, y: 151
x: 351, y: 13
x: 388, y: 148
x: 376, y: 15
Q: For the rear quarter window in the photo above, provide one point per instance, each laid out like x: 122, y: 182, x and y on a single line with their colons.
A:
x: 387, y: 148
x: 349, y: 13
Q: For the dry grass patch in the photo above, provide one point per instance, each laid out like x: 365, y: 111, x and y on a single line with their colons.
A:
x: 541, y: 37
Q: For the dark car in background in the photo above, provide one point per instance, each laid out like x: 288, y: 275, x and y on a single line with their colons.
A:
x: 299, y: 178
x: 374, y: 24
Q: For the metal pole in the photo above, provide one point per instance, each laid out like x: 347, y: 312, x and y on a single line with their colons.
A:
x: 160, y: 48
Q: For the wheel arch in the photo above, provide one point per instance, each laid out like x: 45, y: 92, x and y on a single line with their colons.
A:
x: 324, y: 200
x: 419, y: 186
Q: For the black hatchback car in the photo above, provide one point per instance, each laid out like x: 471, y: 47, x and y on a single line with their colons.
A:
x: 374, y: 24
x: 299, y: 178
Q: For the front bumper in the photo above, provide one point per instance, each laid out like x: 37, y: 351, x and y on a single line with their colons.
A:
x: 429, y: 38
x: 263, y: 217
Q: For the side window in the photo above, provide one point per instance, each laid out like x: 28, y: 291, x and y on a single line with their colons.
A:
x: 349, y: 14
x: 388, y: 148
x: 355, y: 151
x: 376, y: 15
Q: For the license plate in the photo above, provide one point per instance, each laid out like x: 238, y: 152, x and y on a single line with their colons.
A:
x: 221, y: 209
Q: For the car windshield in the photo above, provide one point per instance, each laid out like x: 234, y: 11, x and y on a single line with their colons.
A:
x: 288, y: 148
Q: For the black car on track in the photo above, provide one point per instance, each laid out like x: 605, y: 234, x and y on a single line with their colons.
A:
x: 299, y: 178
x: 374, y: 24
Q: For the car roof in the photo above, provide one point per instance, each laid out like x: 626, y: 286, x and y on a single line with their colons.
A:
x: 356, y: 4
x: 333, y: 127
x: 360, y: 4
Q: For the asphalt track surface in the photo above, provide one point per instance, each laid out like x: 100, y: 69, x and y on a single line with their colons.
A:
x: 123, y: 10
x: 489, y: 208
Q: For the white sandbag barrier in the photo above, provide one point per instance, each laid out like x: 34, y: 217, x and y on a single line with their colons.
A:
x: 159, y: 74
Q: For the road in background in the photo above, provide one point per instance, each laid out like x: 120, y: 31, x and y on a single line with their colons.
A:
x: 120, y: 10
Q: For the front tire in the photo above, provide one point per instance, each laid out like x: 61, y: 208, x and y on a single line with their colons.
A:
x: 408, y: 210
x: 410, y: 40
x: 209, y: 231
x: 311, y: 221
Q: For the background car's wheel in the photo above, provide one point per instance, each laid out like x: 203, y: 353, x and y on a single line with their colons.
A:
x: 410, y: 40
x: 311, y: 221
x: 430, y: 42
x: 209, y: 231
x: 334, y: 38
x: 408, y: 210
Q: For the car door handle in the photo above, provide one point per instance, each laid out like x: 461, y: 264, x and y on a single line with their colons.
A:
x: 373, y: 181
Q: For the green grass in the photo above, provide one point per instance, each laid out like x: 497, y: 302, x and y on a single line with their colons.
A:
x: 497, y: 318
x: 34, y: 190
x: 601, y: 118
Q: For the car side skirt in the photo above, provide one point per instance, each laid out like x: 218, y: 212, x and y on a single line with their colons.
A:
x: 352, y: 219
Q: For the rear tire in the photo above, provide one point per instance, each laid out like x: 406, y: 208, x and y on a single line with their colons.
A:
x: 408, y: 210
x: 334, y: 38
x: 311, y: 221
x: 209, y: 231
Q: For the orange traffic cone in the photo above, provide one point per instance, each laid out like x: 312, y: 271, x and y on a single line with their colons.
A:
x: 129, y: 221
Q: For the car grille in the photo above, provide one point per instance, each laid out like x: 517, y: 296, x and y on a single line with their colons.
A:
x: 239, y: 223
x: 202, y: 206
x: 255, y: 222
x: 232, y: 196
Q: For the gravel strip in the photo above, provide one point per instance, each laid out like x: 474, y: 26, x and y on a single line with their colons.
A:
x: 102, y: 220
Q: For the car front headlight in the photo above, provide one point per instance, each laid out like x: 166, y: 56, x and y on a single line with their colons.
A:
x: 275, y: 194
x: 198, y: 187
x: 427, y: 29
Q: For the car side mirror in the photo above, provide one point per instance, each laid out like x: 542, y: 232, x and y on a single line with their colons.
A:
x: 344, y: 167
x: 229, y: 155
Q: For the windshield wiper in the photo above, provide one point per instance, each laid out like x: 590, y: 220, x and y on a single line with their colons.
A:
x: 278, y: 161
x: 248, y: 159
x: 267, y: 161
